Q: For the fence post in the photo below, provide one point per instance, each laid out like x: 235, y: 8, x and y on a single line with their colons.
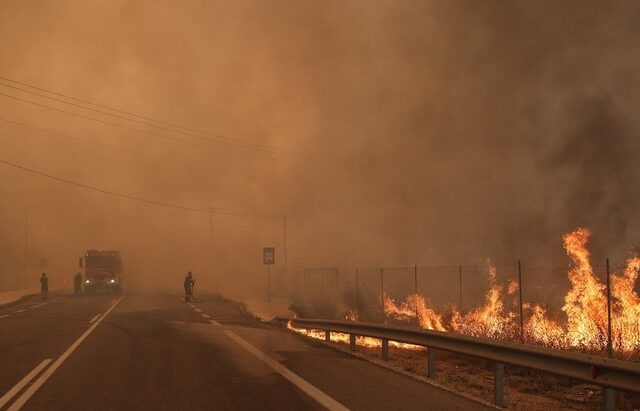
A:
x: 385, y: 349
x: 609, y: 336
x: 498, y: 384
x: 327, y: 336
x: 431, y: 363
x: 384, y: 315
x: 357, y: 295
x: 520, y: 292
x: 415, y: 288
x: 608, y: 394
x: 460, y: 282
x: 352, y: 342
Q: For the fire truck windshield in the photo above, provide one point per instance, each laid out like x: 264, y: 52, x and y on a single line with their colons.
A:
x: 102, y: 261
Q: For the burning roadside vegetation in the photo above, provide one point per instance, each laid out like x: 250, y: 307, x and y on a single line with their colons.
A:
x: 585, y: 309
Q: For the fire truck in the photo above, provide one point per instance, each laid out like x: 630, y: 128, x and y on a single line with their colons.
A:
x: 101, y: 271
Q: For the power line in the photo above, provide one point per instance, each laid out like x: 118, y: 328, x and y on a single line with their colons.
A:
x: 190, y: 131
x: 134, y: 198
x: 193, y: 143
x: 99, y: 144
x: 217, y: 139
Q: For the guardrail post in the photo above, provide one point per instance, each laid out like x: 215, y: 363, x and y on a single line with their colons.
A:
x: 498, y: 384
x: 431, y: 362
x: 608, y: 399
x: 327, y: 336
x: 352, y: 342
x: 385, y: 349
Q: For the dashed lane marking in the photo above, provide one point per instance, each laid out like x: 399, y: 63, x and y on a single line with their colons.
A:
x: 20, y: 385
x: 313, y: 392
x: 22, y: 400
x: 36, y: 306
x: 4, y: 316
x: 21, y: 311
x: 205, y: 315
x: 214, y: 322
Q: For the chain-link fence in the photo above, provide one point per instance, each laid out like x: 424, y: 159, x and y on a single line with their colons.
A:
x: 530, y: 298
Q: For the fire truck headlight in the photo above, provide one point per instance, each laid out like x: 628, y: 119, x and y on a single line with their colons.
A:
x: 112, y: 281
x: 87, y: 281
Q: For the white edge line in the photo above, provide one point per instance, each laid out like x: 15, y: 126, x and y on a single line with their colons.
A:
x: 20, y: 385
x: 22, y: 400
x: 20, y: 311
x: 313, y: 392
x: 94, y: 318
x: 36, y: 306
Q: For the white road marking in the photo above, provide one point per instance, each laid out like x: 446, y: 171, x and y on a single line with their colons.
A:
x: 313, y: 392
x: 22, y: 400
x: 20, y: 311
x: 205, y: 315
x: 19, y: 386
x: 36, y: 306
x: 197, y: 310
x: 4, y: 316
x: 214, y: 322
x: 94, y: 318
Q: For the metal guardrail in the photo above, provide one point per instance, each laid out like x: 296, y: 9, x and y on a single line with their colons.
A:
x: 606, y: 372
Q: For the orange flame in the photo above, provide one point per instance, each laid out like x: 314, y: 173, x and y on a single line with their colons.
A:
x: 490, y: 320
x: 585, y: 307
x: 414, y: 306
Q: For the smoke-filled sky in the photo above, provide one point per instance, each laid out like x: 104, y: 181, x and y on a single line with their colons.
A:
x: 388, y: 132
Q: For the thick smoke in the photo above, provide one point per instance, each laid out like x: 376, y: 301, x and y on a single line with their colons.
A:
x: 439, y: 132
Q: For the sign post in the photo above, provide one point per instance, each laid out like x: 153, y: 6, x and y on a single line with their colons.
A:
x: 268, y: 259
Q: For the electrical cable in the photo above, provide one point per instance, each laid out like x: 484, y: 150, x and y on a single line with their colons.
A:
x: 134, y: 198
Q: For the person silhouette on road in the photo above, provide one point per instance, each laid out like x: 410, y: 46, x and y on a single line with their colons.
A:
x: 77, y: 284
x: 189, y: 282
x: 44, y: 287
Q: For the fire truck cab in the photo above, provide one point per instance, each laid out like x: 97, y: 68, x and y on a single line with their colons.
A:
x: 101, y: 270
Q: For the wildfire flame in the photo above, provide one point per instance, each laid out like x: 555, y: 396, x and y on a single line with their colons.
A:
x: 490, y: 320
x: 585, y: 308
x: 415, y: 306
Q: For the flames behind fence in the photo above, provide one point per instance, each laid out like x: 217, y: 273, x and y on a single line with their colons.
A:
x: 580, y: 322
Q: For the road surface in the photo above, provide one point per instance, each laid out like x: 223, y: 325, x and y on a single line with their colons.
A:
x: 146, y: 351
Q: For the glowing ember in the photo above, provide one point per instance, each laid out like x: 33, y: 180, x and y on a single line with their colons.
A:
x: 367, y: 342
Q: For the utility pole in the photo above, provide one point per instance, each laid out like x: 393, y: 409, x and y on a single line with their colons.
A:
x: 212, y: 265
x: 520, y: 294
x: 284, y: 254
x: 26, y: 247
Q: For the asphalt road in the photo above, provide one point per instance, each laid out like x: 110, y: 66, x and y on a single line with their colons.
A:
x: 157, y: 352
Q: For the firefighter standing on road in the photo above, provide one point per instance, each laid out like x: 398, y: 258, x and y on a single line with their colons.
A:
x: 77, y: 284
x: 44, y: 287
x: 189, y: 282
